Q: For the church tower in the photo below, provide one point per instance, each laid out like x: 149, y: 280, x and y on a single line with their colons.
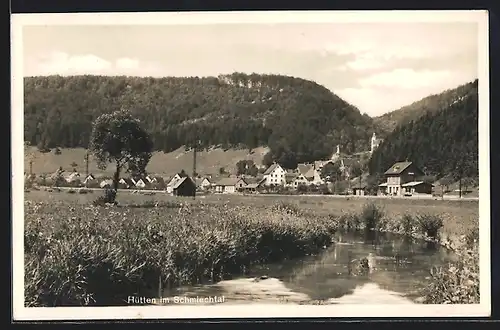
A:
x: 374, y: 143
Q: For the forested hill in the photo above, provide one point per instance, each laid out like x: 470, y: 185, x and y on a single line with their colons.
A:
x: 441, y: 143
x: 432, y: 103
x: 298, y: 119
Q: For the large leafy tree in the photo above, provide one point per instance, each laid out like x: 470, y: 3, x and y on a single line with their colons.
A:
x: 119, y: 138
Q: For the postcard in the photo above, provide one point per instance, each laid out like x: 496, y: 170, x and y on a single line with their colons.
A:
x: 250, y: 165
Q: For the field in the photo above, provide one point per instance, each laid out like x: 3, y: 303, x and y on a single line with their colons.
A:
x: 208, y: 162
x: 79, y: 254
x: 458, y: 216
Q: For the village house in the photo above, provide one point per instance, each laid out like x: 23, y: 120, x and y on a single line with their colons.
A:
x: 402, y: 179
x: 173, y: 180
x: 252, y: 185
x: 140, y: 182
x: 203, y: 183
x: 185, y: 186
x: 229, y: 185
x: 126, y: 183
x: 358, y: 186
x: 73, y: 177
x: 274, y: 175
x: 309, y: 175
x: 89, y: 179
x: 106, y: 183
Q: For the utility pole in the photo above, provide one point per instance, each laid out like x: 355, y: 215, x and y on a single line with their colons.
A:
x: 87, y: 164
x: 194, y: 166
x: 360, y: 183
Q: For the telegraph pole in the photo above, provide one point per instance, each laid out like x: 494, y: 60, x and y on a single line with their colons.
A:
x: 194, y: 166
x: 87, y: 164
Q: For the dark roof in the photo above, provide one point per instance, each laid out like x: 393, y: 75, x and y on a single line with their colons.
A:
x: 252, y: 180
x: 159, y: 179
x: 179, y: 182
x: 128, y: 181
x: 270, y: 169
x: 398, y: 168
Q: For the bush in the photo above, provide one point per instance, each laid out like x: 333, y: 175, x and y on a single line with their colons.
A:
x: 472, y: 237
x: 456, y: 283
x: 371, y: 216
x: 109, y: 197
x: 406, y: 225
x: 430, y: 224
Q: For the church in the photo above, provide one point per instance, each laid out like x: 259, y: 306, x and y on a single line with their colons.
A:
x: 374, y: 143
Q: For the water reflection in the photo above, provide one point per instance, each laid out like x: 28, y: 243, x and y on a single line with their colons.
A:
x: 396, y: 263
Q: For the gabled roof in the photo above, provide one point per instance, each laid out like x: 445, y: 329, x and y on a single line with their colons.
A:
x: 159, y: 179
x: 398, y: 168
x: 72, y: 176
x: 310, y: 174
x: 127, y: 181
x: 178, y: 183
x: 229, y: 181
x: 106, y: 182
x: 271, y: 168
x: 253, y: 180
x: 304, y: 168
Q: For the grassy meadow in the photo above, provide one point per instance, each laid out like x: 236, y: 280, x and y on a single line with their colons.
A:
x: 80, y: 254
x: 208, y: 161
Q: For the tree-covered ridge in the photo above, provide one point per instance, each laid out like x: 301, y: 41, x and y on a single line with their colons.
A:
x: 389, y: 121
x: 298, y: 119
x: 441, y: 143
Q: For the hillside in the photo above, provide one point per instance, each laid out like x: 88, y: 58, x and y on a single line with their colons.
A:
x: 297, y: 119
x: 166, y: 164
x: 389, y: 121
x: 442, y: 142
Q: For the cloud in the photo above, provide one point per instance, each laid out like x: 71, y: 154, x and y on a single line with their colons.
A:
x: 62, y: 63
x: 406, y: 78
x: 127, y: 63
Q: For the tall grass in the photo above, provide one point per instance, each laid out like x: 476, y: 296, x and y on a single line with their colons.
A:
x: 457, y: 282
x: 78, y: 255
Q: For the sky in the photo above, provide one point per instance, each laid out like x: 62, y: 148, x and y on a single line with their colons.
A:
x: 377, y: 67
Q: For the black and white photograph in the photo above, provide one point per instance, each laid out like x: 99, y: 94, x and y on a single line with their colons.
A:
x: 250, y: 164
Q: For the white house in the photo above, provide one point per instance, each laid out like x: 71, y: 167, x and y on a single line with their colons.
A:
x: 140, y: 183
x: 275, y: 175
x: 203, y: 183
x: 73, y: 176
x: 89, y: 179
x: 106, y: 183
x: 308, y: 174
x: 300, y: 180
x: 229, y: 185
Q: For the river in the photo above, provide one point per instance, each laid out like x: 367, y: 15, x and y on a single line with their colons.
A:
x: 399, y: 267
